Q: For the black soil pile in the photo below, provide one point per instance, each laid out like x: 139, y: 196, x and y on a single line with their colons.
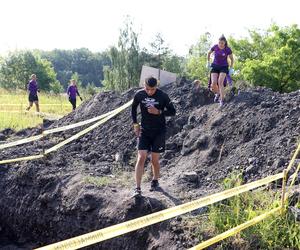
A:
x: 87, y: 184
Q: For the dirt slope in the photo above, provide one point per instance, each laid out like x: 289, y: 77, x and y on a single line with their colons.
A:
x: 87, y: 184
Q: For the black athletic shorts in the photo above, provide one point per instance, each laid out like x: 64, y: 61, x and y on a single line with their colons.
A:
x: 219, y: 69
x: 33, y: 98
x: 152, y: 142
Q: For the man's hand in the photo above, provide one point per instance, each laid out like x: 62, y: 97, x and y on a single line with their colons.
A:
x: 137, y: 130
x: 154, y: 111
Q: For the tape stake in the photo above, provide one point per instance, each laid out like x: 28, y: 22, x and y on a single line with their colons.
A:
x: 83, y: 132
x: 64, y: 128
x: 82, y: 123
x: 132, y: 225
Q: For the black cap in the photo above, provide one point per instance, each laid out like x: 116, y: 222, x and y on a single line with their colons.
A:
x: 151, y: 82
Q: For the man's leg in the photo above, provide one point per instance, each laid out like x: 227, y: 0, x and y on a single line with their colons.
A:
x: 155, y: 165
x: 139, y: 167
x: 158, y: 147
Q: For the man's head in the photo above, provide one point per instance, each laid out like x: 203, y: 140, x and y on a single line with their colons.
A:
x: 33, y: 77
x: 150, y: 85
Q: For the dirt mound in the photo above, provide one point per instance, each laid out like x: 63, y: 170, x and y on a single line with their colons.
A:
x: 86, y: 185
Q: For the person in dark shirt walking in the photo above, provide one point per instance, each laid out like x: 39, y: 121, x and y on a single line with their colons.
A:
x: 72, y: 93
x: 155, y: 105
x: 33, y: 89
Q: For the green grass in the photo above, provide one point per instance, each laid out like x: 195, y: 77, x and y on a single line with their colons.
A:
x: 13, y: 105
x: 98, y: 181
x: 280, y: 231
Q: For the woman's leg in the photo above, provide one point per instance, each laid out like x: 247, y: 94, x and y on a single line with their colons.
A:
x: 221, y: 85
x: 73, y: 102
x: 214, y: 83
x: 30, y: 105
x: 37, y: 106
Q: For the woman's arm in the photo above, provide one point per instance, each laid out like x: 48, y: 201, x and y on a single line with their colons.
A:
x: 231, y: 60
x: 208, y: 55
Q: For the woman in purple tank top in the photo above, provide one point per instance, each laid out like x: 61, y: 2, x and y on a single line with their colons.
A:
x: 72, y: 92
x: 33, y: 89
x: 220, y: 68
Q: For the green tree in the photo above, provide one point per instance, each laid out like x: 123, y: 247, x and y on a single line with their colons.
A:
x: 56, y: 87
x: 174, y: 64
x: 87, y: 64
x: 125, y: 67
x: 159, y: 51
x: 17, y: 67
x: 197, y: 58
x: 270, y: 58
x: 91, y: 89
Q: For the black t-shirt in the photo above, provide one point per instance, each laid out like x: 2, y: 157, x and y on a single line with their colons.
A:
x: 159, y: 100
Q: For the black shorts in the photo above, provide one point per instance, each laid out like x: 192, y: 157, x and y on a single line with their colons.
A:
x: 33, y: 98
x: 152, y: 142
x: 219, y: 69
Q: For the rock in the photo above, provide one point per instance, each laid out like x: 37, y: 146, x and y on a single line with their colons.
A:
x: 251, y: 169
x: 192, y: 120
x: 252, y: 160
x: 191, y: 177
x: 278, y: 163
x: 2, y: 137
x: 202, y: 142
x: 168, y: 154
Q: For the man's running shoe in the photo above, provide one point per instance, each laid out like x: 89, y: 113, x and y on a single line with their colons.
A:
x: 221, y: 103
x: 154, y: 185
x: 216, y: 99
x: 137, y: 193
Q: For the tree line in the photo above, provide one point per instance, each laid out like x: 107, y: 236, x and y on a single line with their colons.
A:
x: 268, y: 58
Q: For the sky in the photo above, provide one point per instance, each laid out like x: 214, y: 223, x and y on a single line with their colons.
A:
x: 95, y: 24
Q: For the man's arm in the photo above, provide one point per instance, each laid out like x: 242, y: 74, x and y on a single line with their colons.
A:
x: 134, y: 106
x: 170, y: 109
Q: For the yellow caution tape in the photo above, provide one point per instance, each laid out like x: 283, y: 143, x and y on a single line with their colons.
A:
x: 27, y: 158
x: 40, y: 104
x: 64, y: 128
x: 76, y: 136
x: 132, y: 225
x: 22, y: 141
x: 79, y: 124
x: 236, y: 230
x: 293, y: 158
x: 72, y: 138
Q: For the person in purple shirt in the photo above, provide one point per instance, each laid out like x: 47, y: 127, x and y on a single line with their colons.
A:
x: 72, y: 92
x: 220, y: 72
x: 33, y: 89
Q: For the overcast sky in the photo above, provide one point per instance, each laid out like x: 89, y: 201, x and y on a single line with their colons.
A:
x: 69, y: 24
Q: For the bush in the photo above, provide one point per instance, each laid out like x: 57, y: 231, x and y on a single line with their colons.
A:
x: 56, y: 87
x: 275, y: 232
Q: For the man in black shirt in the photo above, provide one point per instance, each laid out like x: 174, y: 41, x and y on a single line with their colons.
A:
x: 155, y: 105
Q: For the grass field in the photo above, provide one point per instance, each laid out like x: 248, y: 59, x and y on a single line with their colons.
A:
x: 13, y: 105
